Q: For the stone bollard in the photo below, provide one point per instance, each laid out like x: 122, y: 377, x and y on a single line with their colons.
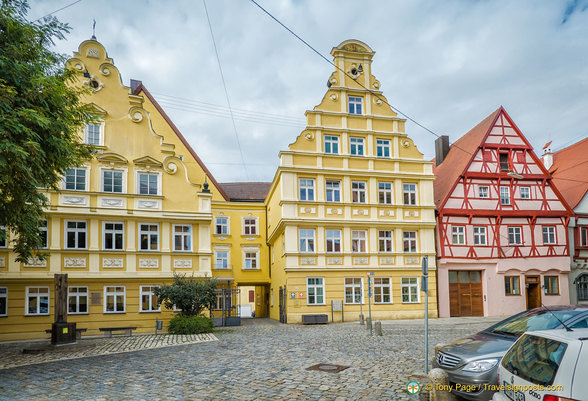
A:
x: 361, y: 319
x: 378, y: 328
x: 439, y: 386
x: 368, y: 323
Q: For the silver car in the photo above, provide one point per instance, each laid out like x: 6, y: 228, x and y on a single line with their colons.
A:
x: 472, y: 362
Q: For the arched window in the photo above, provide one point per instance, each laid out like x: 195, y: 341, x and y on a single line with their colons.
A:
x: 582, y: 287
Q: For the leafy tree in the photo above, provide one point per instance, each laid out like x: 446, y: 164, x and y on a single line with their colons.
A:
x: 190, y: 295
x: 41, y: 116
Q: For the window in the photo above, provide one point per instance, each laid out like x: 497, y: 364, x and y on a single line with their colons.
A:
x: 358, y: 241
x: 384, y: 241
x: 353, y: 290
x: 356, y: 146
x: 382, y: 148
x: 250, y: 260
x: 3, y: 301
x: 221, y: 225
x: 112, y: 181
x: 113, y: 236
x: 525, y: 193
x: 182, y: 237
x: 483, y: 191
x: 514, y: 236
x: 385, y: 193
x: 333, y: 241
x: 355, y: 104
x: 548, y: 234
x: 551, y: 284
x: 75, y: 179
x: 75, y: 234
x: 149, y: 237
x: 358, y: 192
x: 93, y: 134
x: 3, y: 237
x: 114, y: 299
x: 333, y: 190
x: 306, y: 237
x: 503, y: 161
x: 221, y: 260
x: 458, y: 235
x: 584, y: 236
x: 148, y: 299
x: 511, y: 285
x: 410, y: 238
x: 480, y: 236
x: 148, y: 183
x: 37, y: 301
x: 77, y: 300
x: 332, y: 144
x: 43, y: 234
x: 504, y: 195
x: 250, y: 226
x: 410, y: 290
x: 409, y: 191
x: 315, y: 288
x: 582, y: 287
x: 306, y: 187
x: 382, y: 290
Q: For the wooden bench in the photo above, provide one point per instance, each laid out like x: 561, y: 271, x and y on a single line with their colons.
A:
x: 108, y: 330
x: 78, y: 333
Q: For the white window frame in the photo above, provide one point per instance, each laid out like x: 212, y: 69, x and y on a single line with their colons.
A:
x: 4, y: 242
x: 355, y: 284
x: 480, y: 235
x: 226, y: 258
x: 525, y: 192
x: 409, y: 193
x: 333, y: 188
x: 483, y: 192
x: 103, y: 174
x: 458, y: 235
x: 76, y: 231
x: 114, y: 231
x: 157, y: 183
x: 223, y: 226
x: 378, y: 289
x: 306, y: 189
x: 551, y: 235
x: 100, y: 126
x: 383, y: 148
x: 247, y: 257
x: 513, y: 233
x: 76, y: 171
x: 356, y: 146
x: 38, y: 296
x: 115, y: 293
x: 359, y: 241
x: 77, y: 295
x: 355, y: 104
x: 149, y: 233
x: 334, y: 237
x: 386, y: 241
x: 410, y: 286
x: 245, y: 224
x: 410, y: 241
x: 314, y: 287
x: 504, y: 195
x: 147, y: 290
x: 331, y: 144
x: 43, y: 228
x: 185, y: 237
x: 358, y: 192
x: 306, y: 241
x: 4, y: 296
x: 385, y: 192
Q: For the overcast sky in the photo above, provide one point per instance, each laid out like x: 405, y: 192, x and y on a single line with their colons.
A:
x: 447, y: 64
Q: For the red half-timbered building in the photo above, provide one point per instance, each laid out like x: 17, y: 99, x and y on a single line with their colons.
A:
x: 501, y: 224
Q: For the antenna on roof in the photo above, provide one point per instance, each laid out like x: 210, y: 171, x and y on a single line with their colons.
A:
x: 558, y: 319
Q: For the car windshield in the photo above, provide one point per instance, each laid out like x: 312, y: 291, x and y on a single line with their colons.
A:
x: 538, y: 320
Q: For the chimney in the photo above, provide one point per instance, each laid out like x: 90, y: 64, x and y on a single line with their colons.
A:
x: 547, y: 156
x: 441, y: 148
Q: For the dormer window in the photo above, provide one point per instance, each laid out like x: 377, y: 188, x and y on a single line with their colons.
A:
x: 355, y: 104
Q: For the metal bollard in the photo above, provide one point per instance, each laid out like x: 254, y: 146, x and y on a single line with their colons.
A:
x: 378, y: 328
x: 361, y: 319
x: 439, y: 385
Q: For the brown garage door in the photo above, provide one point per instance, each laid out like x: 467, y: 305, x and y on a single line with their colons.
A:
x: 465, y: 293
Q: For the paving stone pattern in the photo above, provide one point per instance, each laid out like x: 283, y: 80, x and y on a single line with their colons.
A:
x: 261, y: 360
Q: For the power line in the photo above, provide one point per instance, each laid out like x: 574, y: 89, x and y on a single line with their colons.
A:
x: 225, y: 88
x: 56, y: 11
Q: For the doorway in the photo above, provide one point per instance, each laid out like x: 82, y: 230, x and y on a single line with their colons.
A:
x: 533, y: 287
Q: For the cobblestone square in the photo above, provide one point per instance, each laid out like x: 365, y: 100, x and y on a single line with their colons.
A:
x: 260, y: 360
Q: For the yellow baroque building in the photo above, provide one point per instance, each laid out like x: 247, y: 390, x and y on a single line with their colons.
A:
x: 352, y: 198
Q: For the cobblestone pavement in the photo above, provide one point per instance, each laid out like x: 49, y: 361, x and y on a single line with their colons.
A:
x: 261, y: 360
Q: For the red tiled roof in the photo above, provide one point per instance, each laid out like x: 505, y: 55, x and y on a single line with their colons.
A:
x: 246, y: 191
x: 459, y: 155
x: 570, y: 172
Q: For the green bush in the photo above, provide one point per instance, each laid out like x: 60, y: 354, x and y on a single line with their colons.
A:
x: 190, y: 325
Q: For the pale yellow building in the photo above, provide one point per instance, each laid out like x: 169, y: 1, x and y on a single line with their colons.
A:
x: 352, y: 197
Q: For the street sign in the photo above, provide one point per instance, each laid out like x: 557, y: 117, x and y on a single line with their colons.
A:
x: 425, y: 265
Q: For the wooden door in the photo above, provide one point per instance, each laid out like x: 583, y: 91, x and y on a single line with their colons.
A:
x: 533, y: 287
x: 465, y: 293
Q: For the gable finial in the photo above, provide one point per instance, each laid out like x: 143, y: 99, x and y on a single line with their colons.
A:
x: 94, y: 30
